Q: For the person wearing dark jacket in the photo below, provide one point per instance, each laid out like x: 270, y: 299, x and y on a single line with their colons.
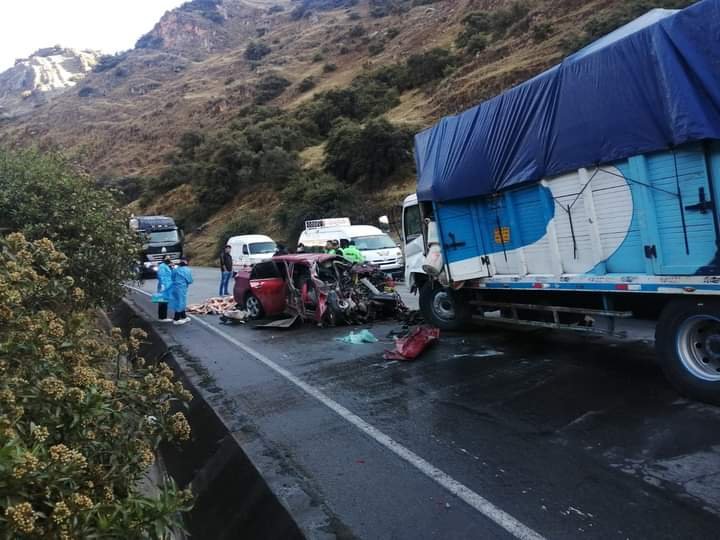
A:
x: 226, y: 268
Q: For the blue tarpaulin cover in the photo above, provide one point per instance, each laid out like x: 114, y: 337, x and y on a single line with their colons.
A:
x: 650, y: 85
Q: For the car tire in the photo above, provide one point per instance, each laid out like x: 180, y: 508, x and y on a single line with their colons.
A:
x: 253, y: 307
x: 687, y: 343
x: 443, y: 308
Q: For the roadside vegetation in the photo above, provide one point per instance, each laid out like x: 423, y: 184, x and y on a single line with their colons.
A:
x: 81, y: 412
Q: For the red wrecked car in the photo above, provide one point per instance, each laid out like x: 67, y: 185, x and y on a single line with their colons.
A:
x: 323, y: 288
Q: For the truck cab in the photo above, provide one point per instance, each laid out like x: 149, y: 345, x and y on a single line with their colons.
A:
x: 160, y: 238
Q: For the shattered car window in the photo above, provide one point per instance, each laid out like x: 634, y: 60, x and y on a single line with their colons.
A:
x: 265, y: 270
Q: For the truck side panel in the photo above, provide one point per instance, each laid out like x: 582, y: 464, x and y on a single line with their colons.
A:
x: 625, y: 218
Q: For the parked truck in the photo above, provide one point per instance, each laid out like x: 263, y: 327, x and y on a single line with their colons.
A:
x: 585, y: 196
x: 160, y: 238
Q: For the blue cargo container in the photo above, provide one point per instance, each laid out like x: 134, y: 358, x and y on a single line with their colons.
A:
x: 586, y: 195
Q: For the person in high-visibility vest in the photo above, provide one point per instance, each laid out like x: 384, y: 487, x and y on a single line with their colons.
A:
x: 351, y: 252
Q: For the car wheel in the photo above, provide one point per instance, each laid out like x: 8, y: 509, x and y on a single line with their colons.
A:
x: 687, y: 342
x: 253, y: 307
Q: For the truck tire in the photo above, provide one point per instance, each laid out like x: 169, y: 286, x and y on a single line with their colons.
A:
x: 441, y: 307
x: 687, y: 342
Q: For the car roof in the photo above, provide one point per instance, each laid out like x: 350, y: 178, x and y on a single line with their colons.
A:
x: 249, y: 238
x: 349, y: 231
x: 304, y: 257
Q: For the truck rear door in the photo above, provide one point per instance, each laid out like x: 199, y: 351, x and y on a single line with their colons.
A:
x: 680, y: 199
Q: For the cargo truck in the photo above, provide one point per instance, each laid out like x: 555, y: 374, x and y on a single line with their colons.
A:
x: 161, y: 238
x: 584, y: 197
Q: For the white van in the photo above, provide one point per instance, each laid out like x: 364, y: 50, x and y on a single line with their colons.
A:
x: 249, y: 249
x: 376, y: 246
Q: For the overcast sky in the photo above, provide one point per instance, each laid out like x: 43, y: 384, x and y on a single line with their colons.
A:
x: 106, y: 25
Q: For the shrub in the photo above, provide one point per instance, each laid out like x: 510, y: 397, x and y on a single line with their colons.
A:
x: 76, y: 441
x: 365, y: 97
x: 392, y: 33
x: 270, y: 87
x: 42, y: 196
x: 257, y: 50
x: 376, y: 48
x: 214, y: 16
x: 370, y: 153
x: 495, y: 22
x: 329, y: 68
x: 317, y: 57
x: 357, y: 31
x: 476, y: 44
x: 308, y: 83
x: 108, y: 62
x: 275, y: 9
x: 426, y: 67
x: 354, y: 16
x: 541, y: 31
x: 276, y: 167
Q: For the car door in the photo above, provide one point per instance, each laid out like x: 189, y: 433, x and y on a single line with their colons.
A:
x: 268, y: 286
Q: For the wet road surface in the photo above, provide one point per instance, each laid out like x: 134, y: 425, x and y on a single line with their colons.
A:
x: 565, y: 436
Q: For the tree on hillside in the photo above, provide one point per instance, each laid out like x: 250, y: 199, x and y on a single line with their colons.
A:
x: 256, y: 51
x: 370, y: 154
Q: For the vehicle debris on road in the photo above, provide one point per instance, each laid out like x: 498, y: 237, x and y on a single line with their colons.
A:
x: 411, y: 346
x: 363, y: 336
x: 234, y: 316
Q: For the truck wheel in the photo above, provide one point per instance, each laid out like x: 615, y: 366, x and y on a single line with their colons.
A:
x: 441, y: 308
x: 687, y: 341
x: 253, y: 307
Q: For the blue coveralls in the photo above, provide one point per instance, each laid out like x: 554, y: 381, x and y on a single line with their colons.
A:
x: 164, y: 287
x: 181, y: 279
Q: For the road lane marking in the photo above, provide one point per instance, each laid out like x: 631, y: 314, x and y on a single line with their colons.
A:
x: 476, y: 501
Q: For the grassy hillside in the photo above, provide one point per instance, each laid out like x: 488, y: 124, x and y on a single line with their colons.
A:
x: 236, y: 115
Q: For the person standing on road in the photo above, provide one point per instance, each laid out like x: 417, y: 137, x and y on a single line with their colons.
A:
x: 332, y: 247
x: 181, y: 280
x: 226, y: 268
x: 164, y: 287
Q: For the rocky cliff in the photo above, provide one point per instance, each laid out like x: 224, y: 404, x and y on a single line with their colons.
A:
x: 32, y: 81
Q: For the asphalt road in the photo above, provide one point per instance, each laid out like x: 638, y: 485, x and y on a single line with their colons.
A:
x: 491, y: 434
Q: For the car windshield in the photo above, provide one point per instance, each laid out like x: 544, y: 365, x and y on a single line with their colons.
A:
x: 259, y: 248
x: 376, y: 241
x: 163, y: 237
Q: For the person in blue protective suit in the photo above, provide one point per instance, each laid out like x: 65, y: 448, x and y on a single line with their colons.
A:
x: 164, y: 288
x: 181, y: 280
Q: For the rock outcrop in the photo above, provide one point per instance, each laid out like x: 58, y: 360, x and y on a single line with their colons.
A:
x: 45, y: 74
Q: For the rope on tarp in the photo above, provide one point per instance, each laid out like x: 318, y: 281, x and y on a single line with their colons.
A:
x: 568, y: 210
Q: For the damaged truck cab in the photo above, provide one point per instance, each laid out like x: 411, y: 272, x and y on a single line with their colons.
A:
x: 584, y: 197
